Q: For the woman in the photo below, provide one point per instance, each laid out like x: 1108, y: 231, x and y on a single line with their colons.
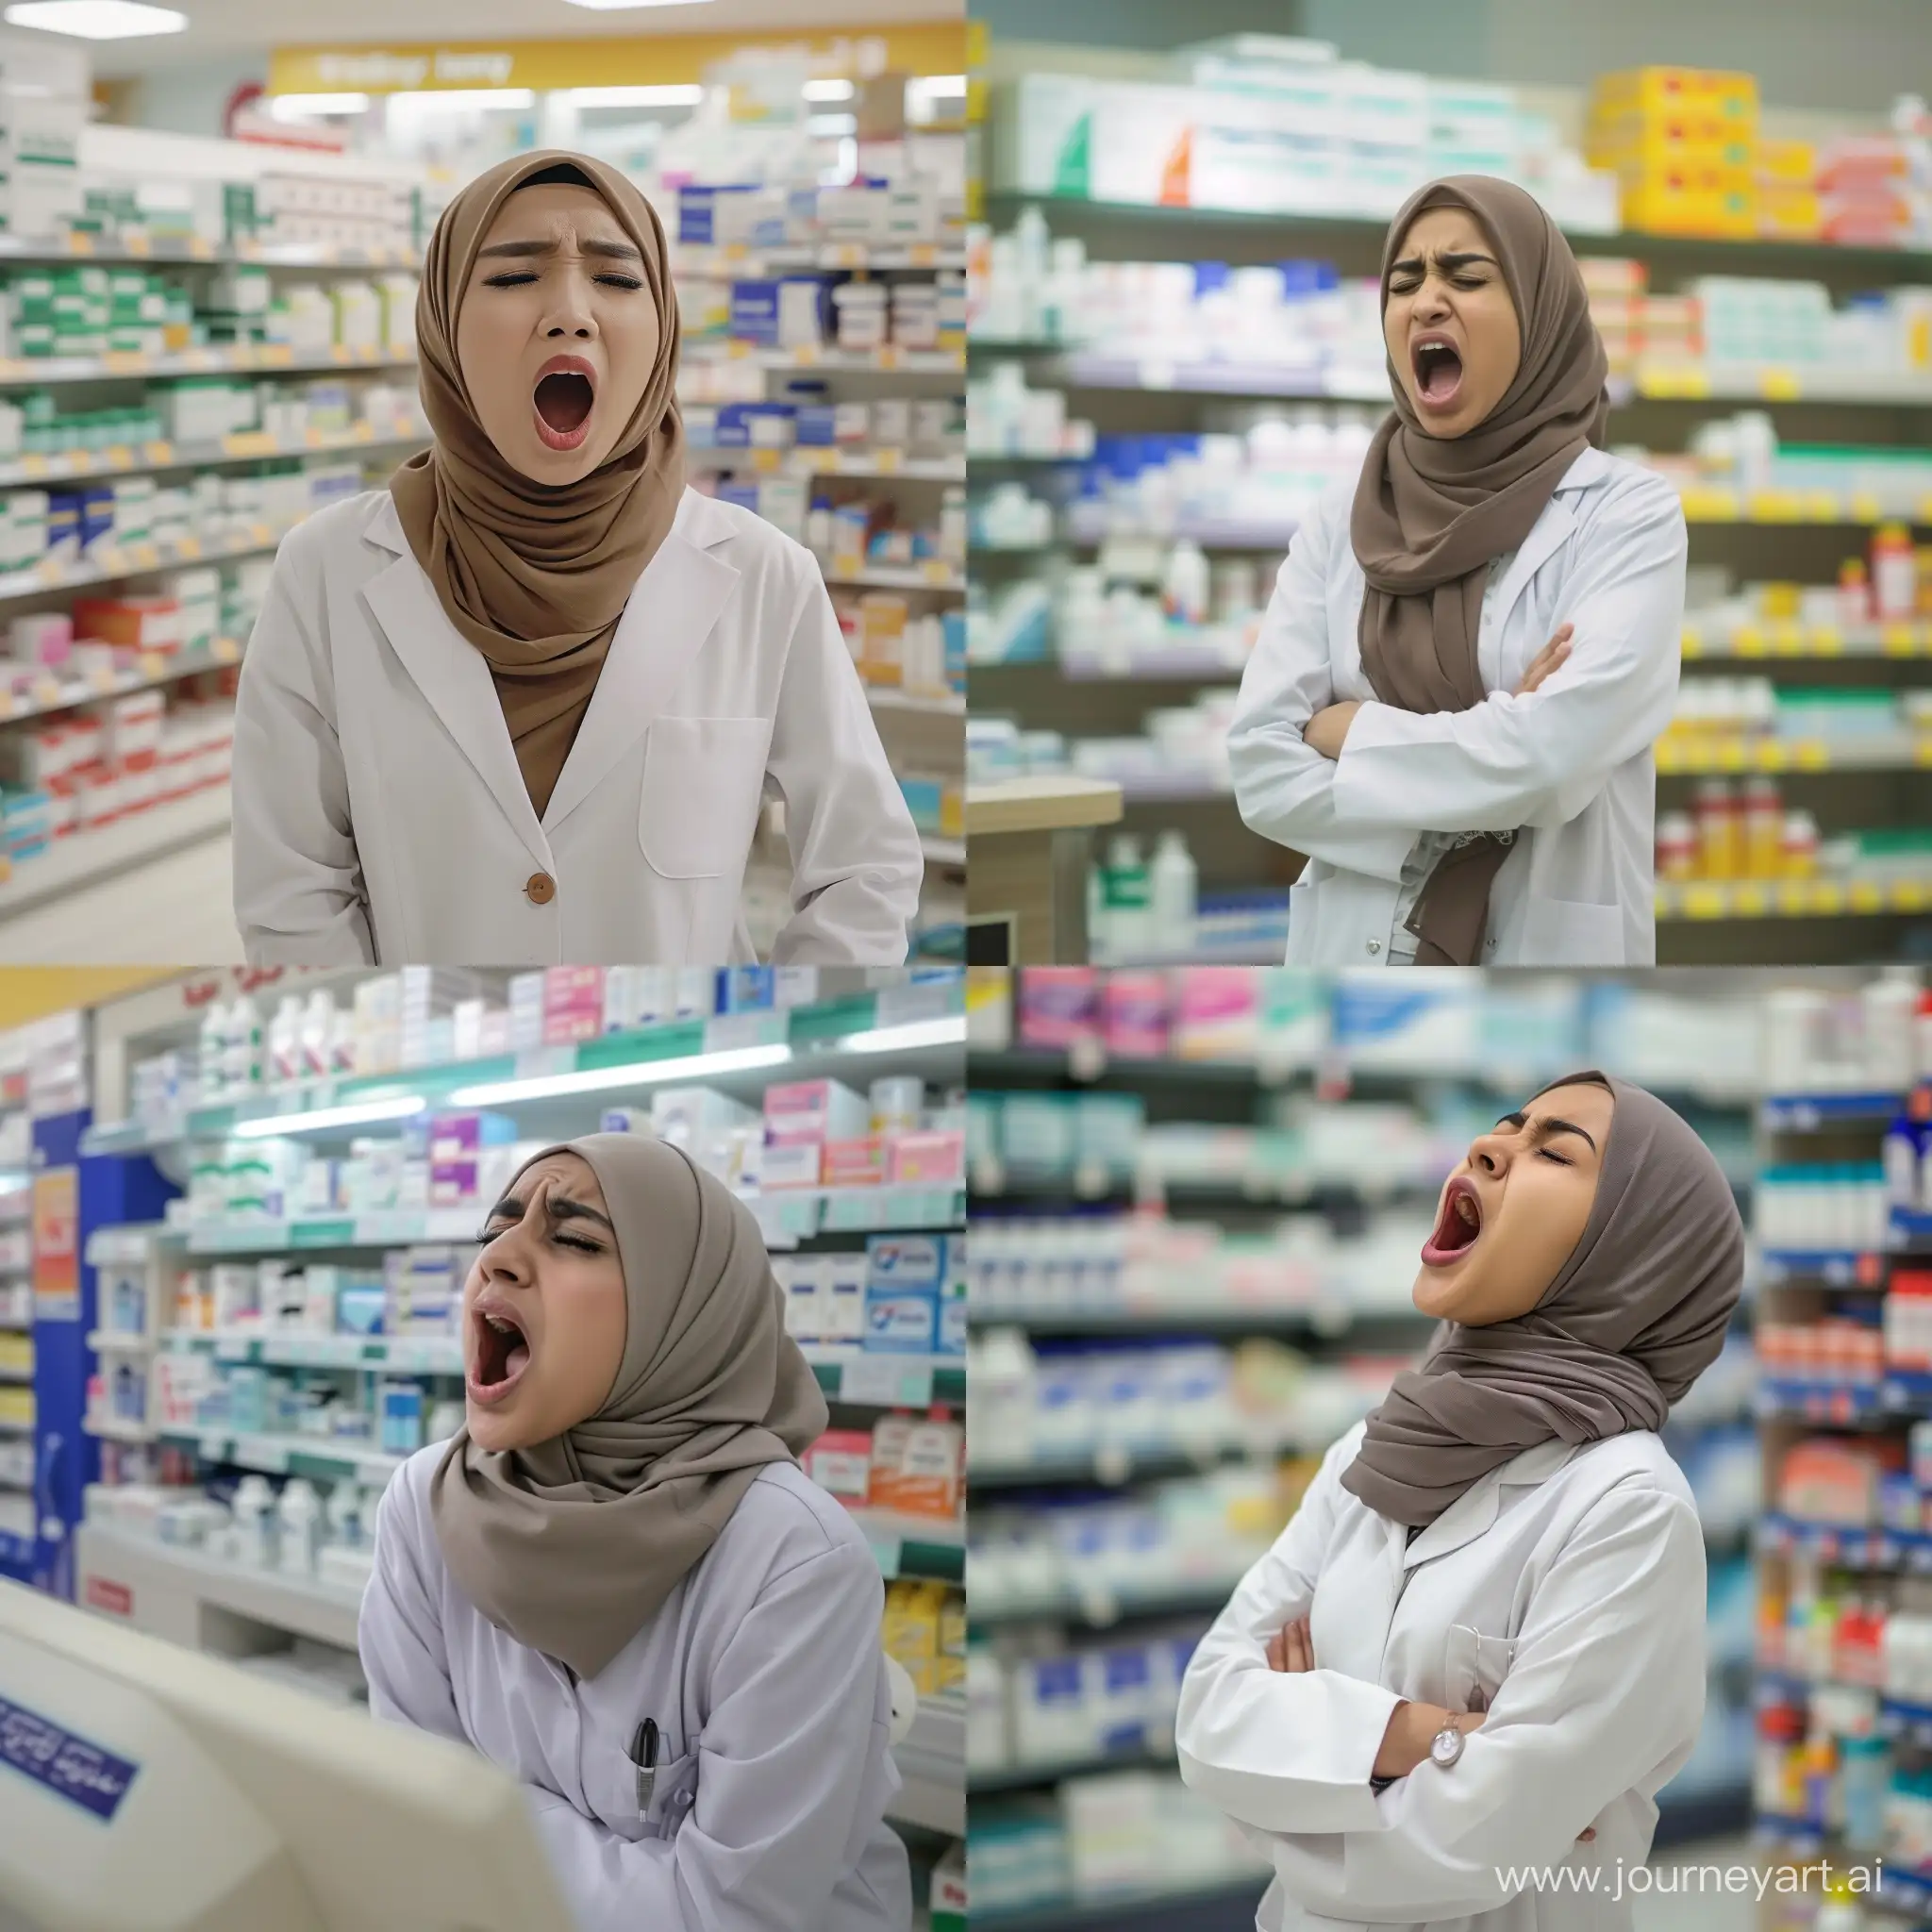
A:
x: 1486, y: 1619
x: 1452, y: 702
x: 522, y: 707
x: 618, y: 1559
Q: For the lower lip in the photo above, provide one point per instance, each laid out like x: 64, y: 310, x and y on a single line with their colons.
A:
x: 490, y: 1393
x: 562, y: 438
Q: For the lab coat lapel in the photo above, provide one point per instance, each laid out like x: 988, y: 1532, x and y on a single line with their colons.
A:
x: 456, y: 682
x: 1547, y: 535
x: 1475, y: 1511
x: 668, y: 617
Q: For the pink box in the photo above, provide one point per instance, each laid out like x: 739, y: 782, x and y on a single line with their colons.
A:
x: 933, y: 1158
x: 452, y: 1183
x: 855, y: 1163
x: 815, y: 1111
x: 568, y: 1027
x: 840, y: 1463
x: 1059, y: 1004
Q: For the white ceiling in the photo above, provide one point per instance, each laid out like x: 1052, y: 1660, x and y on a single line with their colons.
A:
x: 228, y: 28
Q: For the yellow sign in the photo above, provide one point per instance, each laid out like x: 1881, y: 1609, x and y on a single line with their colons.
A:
x: 608, y: 60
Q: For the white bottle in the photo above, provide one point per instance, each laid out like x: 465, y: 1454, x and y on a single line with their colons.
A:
x: 298, y: 1518
x: 1176, y: 887
x: 343, y: 1512
x: 1099, y: 930
x: 318, y: 1037
x: 1186, y: 587
x: 284, y: 1040
x: 244, y: 1045
x: 214, y: 1054
x: 255, y: 1521
x: 1129, y: 901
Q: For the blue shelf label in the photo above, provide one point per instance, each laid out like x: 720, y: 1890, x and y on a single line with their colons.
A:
x: 69, y: 1766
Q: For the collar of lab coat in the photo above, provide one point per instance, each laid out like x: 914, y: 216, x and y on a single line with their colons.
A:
x: 1475, y: 1511
x: 1551, y: 530
x: 669, y: 614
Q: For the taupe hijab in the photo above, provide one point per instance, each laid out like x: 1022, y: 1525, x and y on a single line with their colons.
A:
x: 1431, y: 512
x: 572, y: 1544
x: 536, y: 576
x: 1633, y: 1318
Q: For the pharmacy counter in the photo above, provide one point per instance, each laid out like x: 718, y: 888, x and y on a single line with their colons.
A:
x: 1027, y: 843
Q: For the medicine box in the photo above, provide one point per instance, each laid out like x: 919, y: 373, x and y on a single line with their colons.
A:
x: 907, y: 1261
x: 842, y: 1293
x: 814, y: 1110
x: 840, y: 1463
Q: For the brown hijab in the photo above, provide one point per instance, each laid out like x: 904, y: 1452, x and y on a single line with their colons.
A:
x: 1431, y: 512
x: 572, y: 1544
x: 1633, y: 1318
x: 536, y: 576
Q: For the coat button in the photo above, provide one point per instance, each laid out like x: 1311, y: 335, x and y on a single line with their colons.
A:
x: 1375, y: 947
x: 540, y: 889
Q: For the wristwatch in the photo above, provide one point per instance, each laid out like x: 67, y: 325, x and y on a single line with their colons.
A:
x: 1445, y: 1747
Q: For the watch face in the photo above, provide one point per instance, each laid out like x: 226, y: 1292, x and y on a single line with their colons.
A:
x: 1445, y: 1747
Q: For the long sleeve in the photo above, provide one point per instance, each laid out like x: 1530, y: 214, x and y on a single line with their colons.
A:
x: 1539, y: 760
x: 857, y: 862
x: 1282, y: 1751
x: 1605, y: 1690
x: 399, y: 1634
x: 780, y: 1775
x: 1285, y: 790
x: 299, y: 899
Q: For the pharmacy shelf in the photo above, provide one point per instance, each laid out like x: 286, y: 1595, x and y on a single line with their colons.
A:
x: 809, y: 462
x: 1844, y: 1405
x: 1879, y: 751
x: 1807, y: 1113
x: 16, y: 1555
x: 884, y: 697
x: 914, y: 1545
x: 185, y: 251
x: 1793, y: 898
x: 156, y: 670
x: 833, y: 1038
x: 1172, y: 664
x: 117, y: 1428
x: 1114, y: 1467
x: 1088, y: 524
x: 932, y: 575
x: 1790, y: 638
x: 1833, y: 1267
x: 419, y: 1354
x: 266, y: 359
x: 1225, y: 1906
x: 136, y: 459
x: 116, y: 562
x: 1850, y: 1546
x: 701, y: 260
x: 931, y: 1761
x: 1100, y: 1608
x: 1771, y: 382
x: 869, y: 1378
x: 15, y: 1426
x: 316, y: 1457
x: 1718, y: 504
x: 942, y: 851
x: 82, y: 858
x: 304, y: 1605
x: 1200, y: 1318
x: 1082, y: 370
x: 122, y: 1341
x: 1027, y: 1777
x: 889, y: 360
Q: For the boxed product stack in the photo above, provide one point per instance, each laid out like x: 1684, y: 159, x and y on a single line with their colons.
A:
x: 1789, y: 208
x: 45, y: 98
x: 925, y: 1628
x: 1683, y: 144
x: 910, y: 1465
x: 1756, y: 319
x: 1869, y: 194
x: 331, y: 212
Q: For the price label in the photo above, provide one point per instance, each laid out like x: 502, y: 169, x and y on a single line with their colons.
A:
x: 277, y: 355
x: 889, y: 462
x: 1925, y: 515
x: 231, y: 1348
x: 732, y: 1032
x: 1794, y: 901
x: 936, y: 570
x: 227, y: 651
x: 151, y: 664
x: 125, y: 362
x: 112, y: 562
x: 1775, y: 507
x: 33, y: 464
x: 879, y: 1380
x: 159, y: 452
x: 1827, y: 900
x: 1159, y: 373
x: 1668, y: 381
x: 200, y: 249
x: 265, y: 1454
x: 765, y: 462
x: 1787, y: 638
x: 738, y: 350
x: 1866, y: 897
x: 365, y: 431
x: 188, y: 548
x: 913, y: 1001
x: 543, y: 1062
x: 145, y: 556
x: 1778, y: 385
x: 104, y: 681
x: 79, y: 244
x: 120, y: 458
x: 922, y: 254
x: 1823, y: 507
x: 1827, y: 641
x: 1705, y: 902
x: 138, y: 243
x: 260, y: 534
x: 1691, y: 643
x: 341, y: 352
x: 1747, y: 641
x: 1749, y: 902
x: 248, y: 442
x: 1710, y: 506
x: 1911, y: 895
x: 888, y: 356
x: 1812, y: 756
x: 1922, y: 753
x: 1731, y: 754
x: 1899, y: 640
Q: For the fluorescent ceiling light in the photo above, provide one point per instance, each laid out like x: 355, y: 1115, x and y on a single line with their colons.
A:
x: 472, y: 98
x: 738, y: 1059
x: 358, y: 1114
x: 829, y: 89
x: 303, y: 107
x: 681, y: 96
x: 908, y: 1037
x: 96, y: 20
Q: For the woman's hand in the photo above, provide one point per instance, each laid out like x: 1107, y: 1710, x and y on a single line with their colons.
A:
x: 1412, y: 1728
x: 1291, y: 1649
x: 1327, y: 730
x: 1546, y: 663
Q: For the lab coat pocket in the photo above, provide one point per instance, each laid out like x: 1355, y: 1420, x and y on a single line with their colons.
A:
x: 703, y: 778
x: 1474, y: 1667
x: 1572, y: 932
x: 673, y: 1795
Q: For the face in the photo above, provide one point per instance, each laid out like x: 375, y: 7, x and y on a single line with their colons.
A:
x: 543, y: 1310
x: 557, y: 332
x: 1451, y: 329
x: 1513, y: 1212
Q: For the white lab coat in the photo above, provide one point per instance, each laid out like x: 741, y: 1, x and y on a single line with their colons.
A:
x: 380, y: 815
x: 764, y: 1674
x: 1568, y: 767
x: 1568, y: 1587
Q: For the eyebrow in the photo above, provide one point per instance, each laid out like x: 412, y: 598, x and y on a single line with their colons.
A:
x: 560, y: 1210
x: 1447, y: 259
x: 590, y: 244
x: 1543, y: 1129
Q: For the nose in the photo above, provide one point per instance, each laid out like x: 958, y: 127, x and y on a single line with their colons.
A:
x: 571, y: 316
x: 509, y: 1259
x: 1490, y: 1154
x: 1431, y: 300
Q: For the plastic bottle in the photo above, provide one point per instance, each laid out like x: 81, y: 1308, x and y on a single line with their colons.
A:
x: 284, y: 1040
x: 1854, y: 594
x: 1677, y: 846
x: 1894, y: 575
x: 214, y: 1054
x: 318, y: 1034
x: 1130, y: 900
x: 298, y: 1519
x: 1186, y: 587
x: 343, y: 1512
x: 1801, y: 842
x: 1174, y: 885
x: 1718, y: 833
x: 245, y: 1043
x: 255, y: 1523
x: 1764, y: 829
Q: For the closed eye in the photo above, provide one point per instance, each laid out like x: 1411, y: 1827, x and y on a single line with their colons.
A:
x: 1549, y: 1153
x: 523, y: 277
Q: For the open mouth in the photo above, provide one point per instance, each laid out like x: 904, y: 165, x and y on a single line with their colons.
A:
x: 1437, y: 370
x: 566, y: 391
x: 500, y: 1354
x: 1459, y: 1227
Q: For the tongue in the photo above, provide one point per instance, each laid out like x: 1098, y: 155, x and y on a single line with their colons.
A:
x: 517, y: 1358
x: 563, y: 401
x: 1440, y: 373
